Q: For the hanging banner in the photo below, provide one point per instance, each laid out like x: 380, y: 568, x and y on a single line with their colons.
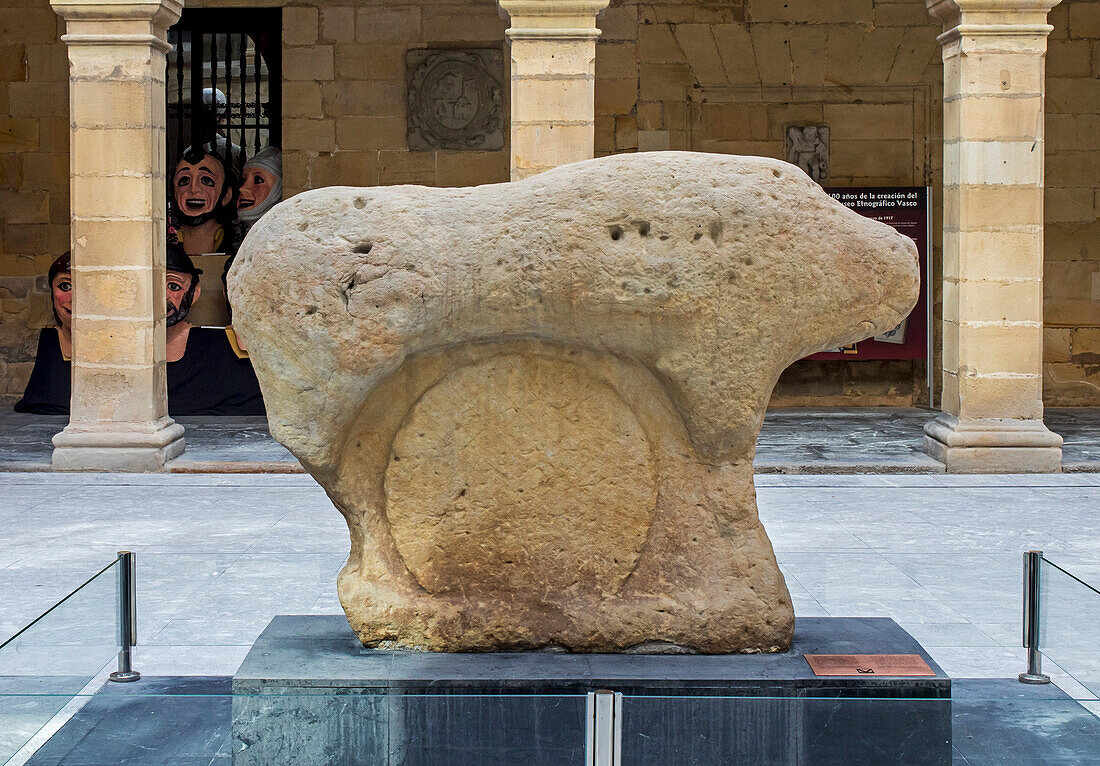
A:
x: 908, y: 210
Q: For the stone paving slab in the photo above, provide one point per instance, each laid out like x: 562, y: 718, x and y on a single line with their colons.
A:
x: 874, y: 440
x: 220, y: 554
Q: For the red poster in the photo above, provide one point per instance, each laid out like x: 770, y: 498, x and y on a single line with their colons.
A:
x: 907, y: 209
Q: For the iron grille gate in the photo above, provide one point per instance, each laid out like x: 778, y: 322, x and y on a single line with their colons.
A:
x: 224, y: 84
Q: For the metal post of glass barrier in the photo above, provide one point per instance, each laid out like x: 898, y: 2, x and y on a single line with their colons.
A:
x: 603, y: 728
x: 1034, y: 674
x: 127, y: 616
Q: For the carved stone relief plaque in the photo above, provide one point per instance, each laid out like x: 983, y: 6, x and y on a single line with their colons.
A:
x: 808, y: 147
x: 455, y: 100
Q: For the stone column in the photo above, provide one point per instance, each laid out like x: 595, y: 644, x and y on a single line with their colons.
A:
x: 992, y: 421
x: 553, y: 45
x: 119, y: 410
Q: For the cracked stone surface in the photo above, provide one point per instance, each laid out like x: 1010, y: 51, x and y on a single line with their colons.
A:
x: 536, y: 403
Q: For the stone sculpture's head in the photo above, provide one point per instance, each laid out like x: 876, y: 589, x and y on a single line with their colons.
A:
x: 860, y: 281
x: 61, y: 290
x: 203, y: 188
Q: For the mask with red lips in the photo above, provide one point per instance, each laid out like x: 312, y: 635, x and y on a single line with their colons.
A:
x: 202, y: 189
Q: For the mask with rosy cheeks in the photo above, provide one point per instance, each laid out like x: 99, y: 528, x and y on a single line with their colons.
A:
x: 263, y: 185
x: 199, y: 189
x: 62, y: 289
x: 256, y: 188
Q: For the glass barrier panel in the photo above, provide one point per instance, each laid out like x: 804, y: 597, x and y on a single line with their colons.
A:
x: 199, y: 720
x: 47, y: 663
x: 1069, y: 624
x: 181, y: 720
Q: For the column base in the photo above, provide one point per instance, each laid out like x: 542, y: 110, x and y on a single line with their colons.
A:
x: 112, y: 446
x: 993, y: 445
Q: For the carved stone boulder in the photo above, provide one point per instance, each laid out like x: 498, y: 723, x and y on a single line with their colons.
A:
x: 536, y: 403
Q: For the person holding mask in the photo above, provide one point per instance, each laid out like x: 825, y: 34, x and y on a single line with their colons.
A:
x: 204, y: 204
x: 49, y: 388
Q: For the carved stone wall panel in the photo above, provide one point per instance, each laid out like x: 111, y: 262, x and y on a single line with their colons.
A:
x: 808, y: 148
x: 455, y: 99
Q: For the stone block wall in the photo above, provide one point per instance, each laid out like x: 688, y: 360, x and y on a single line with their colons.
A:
x: 34, y: 179
x: 344, y: 92
x: 731, y: 77
x: 1071, y: 347
x: 705, y: 75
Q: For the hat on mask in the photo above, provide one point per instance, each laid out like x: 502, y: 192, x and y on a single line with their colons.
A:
x: 177, y: 260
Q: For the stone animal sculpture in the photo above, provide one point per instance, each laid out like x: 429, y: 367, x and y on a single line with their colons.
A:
x: 536, y: 403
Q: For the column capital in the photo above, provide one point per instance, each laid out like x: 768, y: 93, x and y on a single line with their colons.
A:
x: 996, y: 17
x: 106, y: 22
x: 553, y: 18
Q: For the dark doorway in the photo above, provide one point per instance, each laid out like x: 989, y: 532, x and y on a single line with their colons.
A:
x: 224, y: 85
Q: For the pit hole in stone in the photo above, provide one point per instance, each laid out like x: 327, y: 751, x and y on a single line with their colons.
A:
x: 616, y: 232
x: 359, y: 203
x: 663, y: 237
x: 303, y: 226
x: 776, y: 173
x: 643, y: 228
x: 715, y: 232
x: 310, y: 310
x: 363, y: 248
x: 698, y: 236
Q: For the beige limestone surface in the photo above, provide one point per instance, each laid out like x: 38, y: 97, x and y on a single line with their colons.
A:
x: 536, y: 403
x: 552, y: 48
x: 993, y: 240
x: 118, y: 418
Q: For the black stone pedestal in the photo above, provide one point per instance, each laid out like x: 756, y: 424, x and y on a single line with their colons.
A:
x: 309, y: 694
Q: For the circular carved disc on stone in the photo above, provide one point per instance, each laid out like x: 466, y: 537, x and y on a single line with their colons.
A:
x: 521, y: 474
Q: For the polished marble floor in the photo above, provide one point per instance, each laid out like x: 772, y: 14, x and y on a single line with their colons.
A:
x: 220, y: 554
